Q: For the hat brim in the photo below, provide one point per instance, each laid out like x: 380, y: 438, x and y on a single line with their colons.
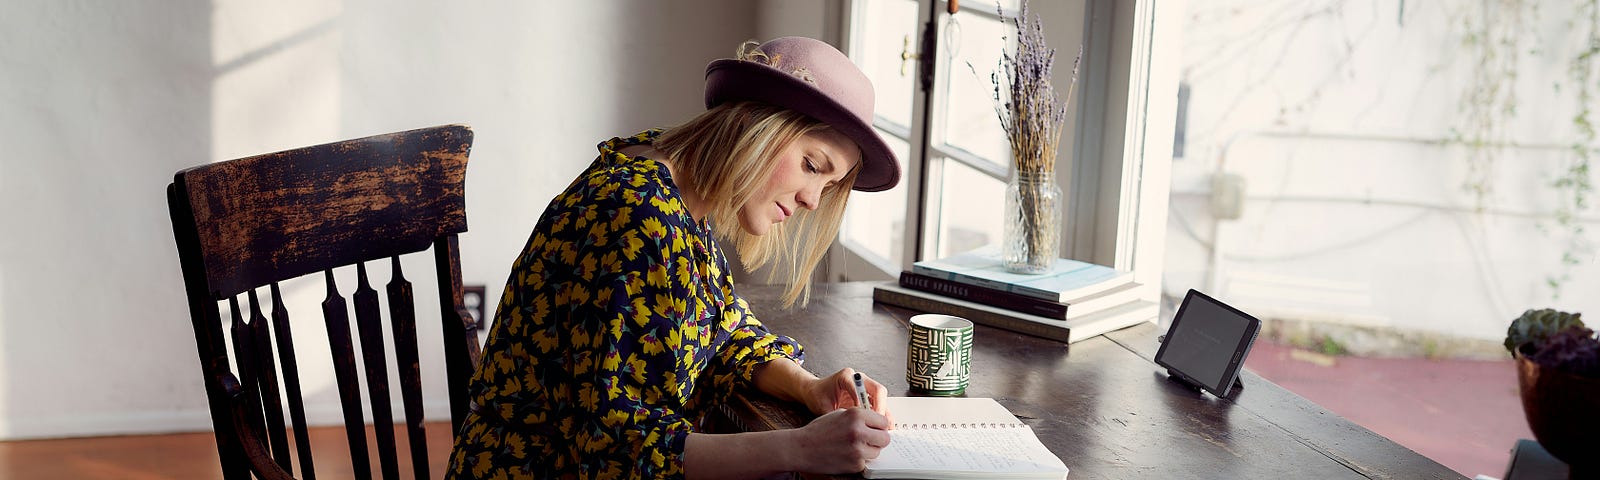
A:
x: 732, y: 80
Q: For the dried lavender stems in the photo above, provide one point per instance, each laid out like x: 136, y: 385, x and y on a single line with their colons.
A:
x: 1029, y: 110
x: 1032, y: 116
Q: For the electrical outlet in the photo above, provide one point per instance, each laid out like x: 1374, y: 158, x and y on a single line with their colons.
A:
x: 473, y: 297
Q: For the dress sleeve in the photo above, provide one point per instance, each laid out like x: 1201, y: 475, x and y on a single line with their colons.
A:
x: 749, y: 346
x: 627, y: 366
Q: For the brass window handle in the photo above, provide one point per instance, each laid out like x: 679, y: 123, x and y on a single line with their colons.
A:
x: 906, y: 56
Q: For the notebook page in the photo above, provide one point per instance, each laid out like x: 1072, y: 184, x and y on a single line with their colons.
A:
x: 977, y: 450
x: 948, y: 410
x: 961, y: 438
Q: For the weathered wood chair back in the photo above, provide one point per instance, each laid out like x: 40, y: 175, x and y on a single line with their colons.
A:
x: 247, y: 224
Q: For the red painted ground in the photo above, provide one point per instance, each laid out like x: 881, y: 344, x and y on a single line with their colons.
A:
x: 1464, y: 414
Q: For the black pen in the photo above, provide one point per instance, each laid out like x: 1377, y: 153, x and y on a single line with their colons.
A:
x: 861, y: 393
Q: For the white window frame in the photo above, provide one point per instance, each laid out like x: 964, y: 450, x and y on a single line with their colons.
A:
x: 1116, y: 164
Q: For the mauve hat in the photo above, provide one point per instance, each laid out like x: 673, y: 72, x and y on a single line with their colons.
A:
x: 811, y: 77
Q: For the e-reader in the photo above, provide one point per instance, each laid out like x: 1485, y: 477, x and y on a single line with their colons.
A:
x: 1207, y: 343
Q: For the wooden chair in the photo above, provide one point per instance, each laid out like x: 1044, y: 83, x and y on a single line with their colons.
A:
x: 250, y: 223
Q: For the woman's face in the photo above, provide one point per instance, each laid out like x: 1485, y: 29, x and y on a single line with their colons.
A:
x: 810, y: 164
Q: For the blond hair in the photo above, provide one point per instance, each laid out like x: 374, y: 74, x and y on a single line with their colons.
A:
x: 726, y: 155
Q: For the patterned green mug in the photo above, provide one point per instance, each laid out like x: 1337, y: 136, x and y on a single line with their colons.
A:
x: 939, y: 357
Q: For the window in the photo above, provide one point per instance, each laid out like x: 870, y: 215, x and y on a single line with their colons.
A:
x: 1382, y: 181
x: 935, y: 100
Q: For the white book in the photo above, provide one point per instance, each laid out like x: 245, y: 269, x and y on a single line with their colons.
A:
x: 1070, y: 330
x: 961, y: 438
x: 1067, y: 279
x: 1096, y: 302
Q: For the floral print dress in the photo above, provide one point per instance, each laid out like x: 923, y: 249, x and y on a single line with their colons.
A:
x: 618, y: 330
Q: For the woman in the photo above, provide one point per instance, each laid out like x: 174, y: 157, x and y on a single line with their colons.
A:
x: 620, y: 328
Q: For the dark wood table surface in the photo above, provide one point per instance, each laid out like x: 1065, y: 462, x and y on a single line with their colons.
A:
x: 1101, y: 404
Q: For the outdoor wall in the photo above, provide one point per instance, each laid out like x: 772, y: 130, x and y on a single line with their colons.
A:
x: 1354, y: 130
x: 103, y: 101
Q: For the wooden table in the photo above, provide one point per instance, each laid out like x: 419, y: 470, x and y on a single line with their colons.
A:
x: 1101, y: 404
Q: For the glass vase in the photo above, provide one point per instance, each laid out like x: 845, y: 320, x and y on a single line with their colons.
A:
x: 1032, y: 237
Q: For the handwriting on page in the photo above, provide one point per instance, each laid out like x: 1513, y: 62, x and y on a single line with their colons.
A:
x: 984, y: 449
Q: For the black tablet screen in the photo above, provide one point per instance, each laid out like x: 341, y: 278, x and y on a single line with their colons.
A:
x: 1203, y: 339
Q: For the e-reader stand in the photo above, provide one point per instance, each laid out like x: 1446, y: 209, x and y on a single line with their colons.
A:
x: 1173, y: 376
x: 1211, y: 336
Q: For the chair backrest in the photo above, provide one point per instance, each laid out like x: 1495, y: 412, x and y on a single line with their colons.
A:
x: 248, y: 224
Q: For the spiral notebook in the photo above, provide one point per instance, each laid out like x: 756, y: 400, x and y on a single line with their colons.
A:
x: 961, y: 438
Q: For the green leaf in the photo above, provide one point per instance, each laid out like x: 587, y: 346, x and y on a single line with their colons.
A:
x: 1538, y: 325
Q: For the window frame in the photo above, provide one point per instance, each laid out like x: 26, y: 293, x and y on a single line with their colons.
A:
x: 1117, y: 152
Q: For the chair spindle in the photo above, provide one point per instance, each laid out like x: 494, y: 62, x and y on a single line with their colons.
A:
x: 369, y: 324
x: 460, y: 329
x: 403, y: 318
x: 291, y: 383
x: 337, y: 316
x: 244, y: 358
x: 267, y: 378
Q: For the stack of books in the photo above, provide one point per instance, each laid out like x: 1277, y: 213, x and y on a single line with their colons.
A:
x: 1071, y: 302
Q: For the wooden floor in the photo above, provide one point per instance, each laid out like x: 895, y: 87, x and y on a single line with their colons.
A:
x: 186, y: 456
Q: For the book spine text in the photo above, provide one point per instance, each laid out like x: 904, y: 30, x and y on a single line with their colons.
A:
x: 1026, y: 291
x: 984, y: 295
x: 1019, y: 325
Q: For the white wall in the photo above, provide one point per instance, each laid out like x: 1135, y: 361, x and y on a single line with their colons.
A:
x: 819, y: 19
x: 101, y: 102
x: 1353, y: 209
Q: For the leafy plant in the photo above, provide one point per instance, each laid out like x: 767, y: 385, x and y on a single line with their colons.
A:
x: 1538, y: 326
x: 1329, y: 346
x: 1572, y: 185
x: 1489, y: 103
x: 1496, y: 37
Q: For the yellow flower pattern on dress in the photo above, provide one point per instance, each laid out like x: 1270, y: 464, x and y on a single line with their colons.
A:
x: 618, y: 329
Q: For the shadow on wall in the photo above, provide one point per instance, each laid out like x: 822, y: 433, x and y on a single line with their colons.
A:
x: 94, y: 330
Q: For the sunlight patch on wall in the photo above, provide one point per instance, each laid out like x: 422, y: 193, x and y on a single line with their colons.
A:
x: 277, y: 86
x: 277, y: 76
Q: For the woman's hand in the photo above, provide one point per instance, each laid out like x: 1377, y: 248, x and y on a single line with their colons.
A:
x: 840, y: 441
x: 839, y: 391
x: 786, y: 380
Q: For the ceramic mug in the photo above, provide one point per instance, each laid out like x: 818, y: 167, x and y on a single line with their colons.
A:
x: 939, y: 356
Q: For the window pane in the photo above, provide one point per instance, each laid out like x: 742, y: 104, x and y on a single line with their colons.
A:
x: 884, y: 29
x: 876, y: 221
x: 1380, y: 184
x: 988, y: 5
x: 970, y: 121
x: 969, y: 216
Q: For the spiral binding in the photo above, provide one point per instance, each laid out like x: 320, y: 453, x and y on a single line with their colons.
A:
x: 958, y: 425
